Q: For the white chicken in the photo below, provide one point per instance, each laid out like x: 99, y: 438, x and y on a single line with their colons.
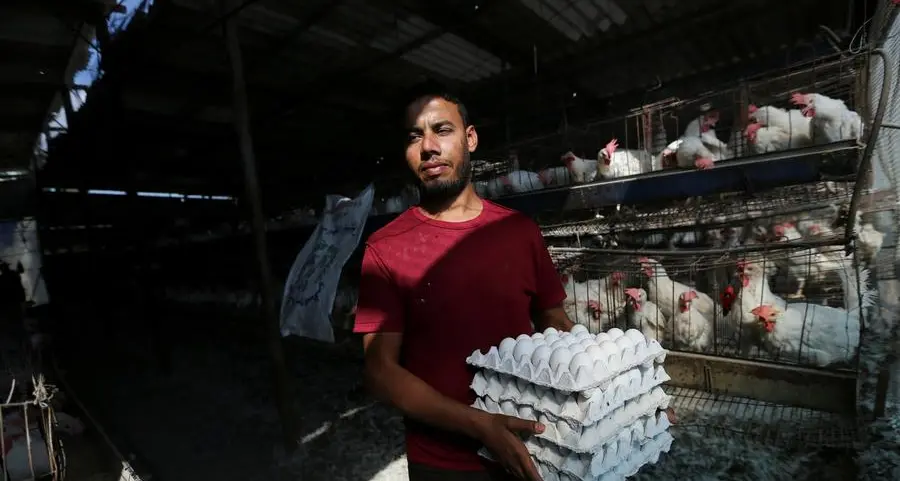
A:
x: 692, y: 329
x: 792, y: 124
x: 754, y: 291
x: 581, y: 303
x: 555, y: 176
x: 664, y: 292
x: 807, y: 264
x: 868, y: 239
x: 645, y: 316
x: 688, y: 152
x: 582, y: 170
x: 832, y: 121
x: 521, y: 181
x: 823, y: 335
x: 703, y: 128
x: 769, y: 139
x: 614, y: 163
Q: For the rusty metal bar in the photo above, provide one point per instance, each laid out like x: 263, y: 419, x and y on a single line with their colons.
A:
x: 831, y: 391
x: 253, y: 196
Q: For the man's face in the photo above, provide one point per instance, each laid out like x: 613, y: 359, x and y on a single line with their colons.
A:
x: 438, y: 146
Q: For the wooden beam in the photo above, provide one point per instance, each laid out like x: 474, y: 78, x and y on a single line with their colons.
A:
x: 283, y: 398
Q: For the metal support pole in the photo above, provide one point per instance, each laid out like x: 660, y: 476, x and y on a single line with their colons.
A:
x: 252, y: 192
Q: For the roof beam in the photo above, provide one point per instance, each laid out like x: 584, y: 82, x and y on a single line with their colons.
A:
x: 595, y: 53
x: 268, y: 53
x: 347, y: 79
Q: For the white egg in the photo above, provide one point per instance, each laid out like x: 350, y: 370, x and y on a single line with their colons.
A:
x: 615, y: 333
x: 523, y: 349
x: 522, y: 337
x: 578, y: 329
x: 506, y: 347
x: 559, y: 343
x: 540, y: 354
x: 537, y: 335
x: 576, y: 348
x: 550, y: 330
x: 508, y: 406
x: 586, y: 343
x: 560, y: 357
x: 602, y: 337
x: 580, y: 360
x: 636, y: 336
x: 526, y: 412
x: 595, y: 352
x: 539, y: 342
x: 551, y: 338
x: 521, y: 384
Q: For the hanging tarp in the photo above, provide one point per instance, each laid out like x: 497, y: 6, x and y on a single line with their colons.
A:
x: 21, y: 252
x: 312, y: 283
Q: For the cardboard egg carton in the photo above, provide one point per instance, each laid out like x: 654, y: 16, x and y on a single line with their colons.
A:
x: 575, y: 408
x: 578, y: 438
x: 628, y: 461
x: 573, y: 361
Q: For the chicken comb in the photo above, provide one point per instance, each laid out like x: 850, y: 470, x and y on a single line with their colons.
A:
x: 798, y: 99
x: 612, y: 146
x: 567, y: 157
x: 632, y: 292
x: 741, y: 264
x: 688, y: 296
x: 761, y: 311
x: 617, y: 276
x: 751, y: 109
x: 643, y: 259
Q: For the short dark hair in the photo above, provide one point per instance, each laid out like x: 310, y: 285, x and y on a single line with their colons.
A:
x: 434, y: 90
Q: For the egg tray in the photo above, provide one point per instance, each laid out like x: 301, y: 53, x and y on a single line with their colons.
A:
x: 639, y: 456
x: 614, y: 453
x: 573, y: 361
x: 575, y: 408
x: 582, y: 439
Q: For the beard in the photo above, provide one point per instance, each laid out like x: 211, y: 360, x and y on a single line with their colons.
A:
x: 440, y: 191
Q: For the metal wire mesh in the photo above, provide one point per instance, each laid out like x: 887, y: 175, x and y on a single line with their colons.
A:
x: 705, y: 301
x: 638, y: 140
x: 728, y: 209
x: 722, y: 415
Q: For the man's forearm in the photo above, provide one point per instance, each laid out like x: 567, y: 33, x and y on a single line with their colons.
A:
x: 416, y: 399
x: 556, y: 318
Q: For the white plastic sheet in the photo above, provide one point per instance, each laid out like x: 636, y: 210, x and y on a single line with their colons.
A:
x: 312, y: 282
x: 19, y: 248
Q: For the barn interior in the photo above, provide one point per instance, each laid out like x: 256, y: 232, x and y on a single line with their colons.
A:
x: 164, y: 161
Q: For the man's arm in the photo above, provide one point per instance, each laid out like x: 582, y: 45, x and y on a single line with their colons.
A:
x: 390, y: 382
x: 380, y: 316
x: 554, y: 317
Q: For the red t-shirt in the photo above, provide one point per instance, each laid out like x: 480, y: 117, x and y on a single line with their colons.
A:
x: 452, y: 288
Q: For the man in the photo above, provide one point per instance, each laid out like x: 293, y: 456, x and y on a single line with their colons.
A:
x: 455, y: 274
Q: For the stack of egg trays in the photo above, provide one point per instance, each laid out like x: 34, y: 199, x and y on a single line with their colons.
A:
x: 598, y: 397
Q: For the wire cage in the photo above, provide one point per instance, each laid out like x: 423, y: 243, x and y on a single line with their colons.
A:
x: 772, y: 119
x: 706, y: 301
x: 30, y: 450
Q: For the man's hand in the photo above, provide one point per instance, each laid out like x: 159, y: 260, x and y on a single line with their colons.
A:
x: 502, y: 436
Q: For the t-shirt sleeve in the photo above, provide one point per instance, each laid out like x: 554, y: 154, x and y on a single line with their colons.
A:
x: 379, y: 307
x: 549, y: 290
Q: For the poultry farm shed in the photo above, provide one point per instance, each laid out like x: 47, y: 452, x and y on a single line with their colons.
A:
x: 738, y: 228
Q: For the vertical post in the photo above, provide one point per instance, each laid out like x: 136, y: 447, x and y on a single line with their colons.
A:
x: 252, y: 192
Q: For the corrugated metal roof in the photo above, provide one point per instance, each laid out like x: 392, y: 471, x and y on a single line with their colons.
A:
x: 577, y: 19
